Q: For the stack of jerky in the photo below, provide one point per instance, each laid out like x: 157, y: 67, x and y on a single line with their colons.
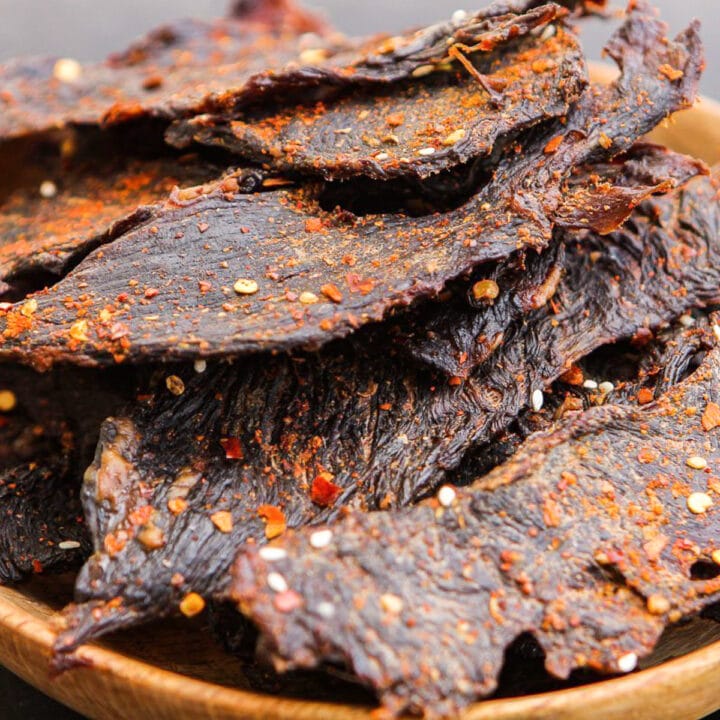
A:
x: 402, y: 345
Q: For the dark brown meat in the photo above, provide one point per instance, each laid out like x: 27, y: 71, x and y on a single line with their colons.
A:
x: 314, y: 275
x: 48, y: 427
x: 594, y: 537
x: 299, y: 439
x: 163, y: 75
x: 418, y: 127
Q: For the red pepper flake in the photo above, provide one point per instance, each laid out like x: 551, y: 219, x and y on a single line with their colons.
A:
x: 222, y: 520
x: 275, y: 522
x: 454, y: 381
x: 114, y: 544
x: 204, y: 286
x: 574, y: 376
x: 711, y: 417
x: 553, y: 145
x: 287, y: 601
x: 324, y: 491
x: 37, y: 566
x: 151, y: 293
x: 395, y: 119
x: 233, y: 449
x: 314, y: 225
x: 645, y: 396
x: 331, y: 291
x: 646, y: 456
x: 177, y: 506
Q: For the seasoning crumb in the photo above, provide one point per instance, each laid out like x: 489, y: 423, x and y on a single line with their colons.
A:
x: 175, y: 384
x: 277, y: 583
x: 192, y: 604
x: 454, y: 137
x: 699, y: 503
x: 244, y: 286
x: 658, y: 605
x: 485, y: 291
x: 222, y: 520
x: 391, y: 603
x: 321, y: 538
x: 7, y: 400
x: 710, y: 417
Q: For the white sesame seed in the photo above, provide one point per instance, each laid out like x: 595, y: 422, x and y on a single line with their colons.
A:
x: 313, y: 56
x: 69, y: 545
x: 67, y: 70
x: 696, y: 462
x: 716, y: 331
x: 48, y: 189
x: 548, y: 32
x: 446, y: 496
x: 699, y: 503
x: 458, y: 16
x: 326, y: 610
x: 590, y: 385
x: 308, y: 298
x: 200, y: 366
x: 627, y: 663
x: 277, y: 583
x: 687, y: 320
x: 538, y: 400
x: 391, y: 603
x: 382, y: 156
x: 606, y: 387
x: 272, y: 554
x: 245, y: 286
x: 321, y: 538
x: 426, y: 151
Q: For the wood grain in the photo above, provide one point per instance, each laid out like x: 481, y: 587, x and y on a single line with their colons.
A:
x: 172, y: 673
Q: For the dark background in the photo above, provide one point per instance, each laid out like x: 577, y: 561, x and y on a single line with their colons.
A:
x: 89, y: 29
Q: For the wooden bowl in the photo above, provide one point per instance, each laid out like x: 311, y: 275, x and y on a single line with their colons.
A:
x: 174, y: 672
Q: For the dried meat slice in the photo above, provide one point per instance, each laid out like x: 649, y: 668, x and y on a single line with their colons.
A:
x: 239, y: 452
x: 415, y: 128
x: 229, y: 273
x: 81, y: 203
x: 593, y: 538
x: 48, y: 427
x: 163, y: 75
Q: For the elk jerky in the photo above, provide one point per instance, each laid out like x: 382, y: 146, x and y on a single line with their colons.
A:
x: 49, y: 226
x: 514, y: 287
x: 163, y: 75
x: 304, y: 276
x: 418, y: 127
x: 593, y: 538
x: 48, y: 428
x: 240, y: 452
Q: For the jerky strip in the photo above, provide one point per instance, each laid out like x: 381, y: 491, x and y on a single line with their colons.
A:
x: 590, y: 538
x: 307, y: 276
x: 285, y: 441
x: 416, y: 128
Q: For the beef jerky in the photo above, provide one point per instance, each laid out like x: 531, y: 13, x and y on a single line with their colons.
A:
x: 163, y: 75
x: 593, y: 538
x: 83, y: 203
x: 306, y: 275
x: 48, y: 428
x: 513, y: 288
x: 242, y: 452
x: 416, y: 128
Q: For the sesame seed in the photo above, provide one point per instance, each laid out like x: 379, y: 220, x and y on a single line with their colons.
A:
x: 326, y: 610
x: 272, y: 554
x: 627, y: 663
x: 454, y: 137
x: 716, y: 332
x: 548, y: 32
x: 538, y: 400
x: 308, y: 298
x: 321, y: 538
x: 200, y: 366
x: 277, y: 583
x: 313, y: 56
x: 175, y: 384
x: 426, y: 151
x: 446, y: 496
x: 458, y: 16
x: 606, y: 387
x: 696, y: 462
x: 244, y: 286
x: 7, y: 400
x: 699, y: 503
x: 69, y: 545
x: 382, y: 156
x: 391, y: 603
x: 716, y: 557
x: 48, y: 189
x: 67, y: 70
x: 687, y: 320
x: 422, y: 71
x: 658, y: 605
x: 590, y: 385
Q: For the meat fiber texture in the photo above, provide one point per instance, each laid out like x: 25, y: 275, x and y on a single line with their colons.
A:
x: 288, y: 441
x: 593, y: 537
x: 311, y: 275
